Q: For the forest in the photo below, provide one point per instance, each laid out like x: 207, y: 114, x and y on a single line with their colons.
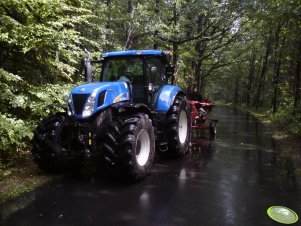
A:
x: 247, y: 53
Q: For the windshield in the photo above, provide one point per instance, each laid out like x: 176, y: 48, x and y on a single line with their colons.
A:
x: 122, y: 69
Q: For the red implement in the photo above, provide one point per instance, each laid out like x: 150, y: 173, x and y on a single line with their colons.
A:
x: 200, y: 110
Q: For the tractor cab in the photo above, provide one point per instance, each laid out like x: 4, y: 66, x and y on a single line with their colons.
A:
x: 145, y: 71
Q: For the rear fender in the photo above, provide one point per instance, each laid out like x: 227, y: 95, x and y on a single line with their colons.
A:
x: 165, y: 97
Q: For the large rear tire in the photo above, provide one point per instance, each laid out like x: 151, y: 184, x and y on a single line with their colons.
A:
x: 55, y: 147
x: 129, y: 147
x: 178, y: 126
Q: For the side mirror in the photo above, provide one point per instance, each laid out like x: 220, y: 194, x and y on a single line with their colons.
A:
x: 169, y: 71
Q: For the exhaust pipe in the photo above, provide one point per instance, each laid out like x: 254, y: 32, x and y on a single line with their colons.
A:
x: 88, y: 67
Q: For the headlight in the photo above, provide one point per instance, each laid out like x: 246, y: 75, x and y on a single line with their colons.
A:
x: 89, y: 106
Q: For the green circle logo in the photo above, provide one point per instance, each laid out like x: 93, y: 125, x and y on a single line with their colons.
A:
x: 282, y: 214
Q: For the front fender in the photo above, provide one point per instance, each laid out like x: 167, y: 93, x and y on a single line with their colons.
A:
x: 165, y: 97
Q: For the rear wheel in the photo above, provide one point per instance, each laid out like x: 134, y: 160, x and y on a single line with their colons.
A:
x: 129, y: 147
x: 178, y: 128
x: 55, y: 147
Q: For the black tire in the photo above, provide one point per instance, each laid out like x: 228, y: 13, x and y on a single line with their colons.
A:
x: 129, y: 147
x: 212, y: 130
x: 178, y: 127
x: 54, y: 145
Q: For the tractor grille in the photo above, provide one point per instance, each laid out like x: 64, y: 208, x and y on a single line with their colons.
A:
x: 79, y: 101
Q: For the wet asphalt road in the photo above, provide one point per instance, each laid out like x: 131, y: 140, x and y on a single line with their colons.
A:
x: 230, y: 181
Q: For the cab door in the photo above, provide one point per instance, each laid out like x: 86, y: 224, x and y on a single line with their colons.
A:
x: 155, y: 75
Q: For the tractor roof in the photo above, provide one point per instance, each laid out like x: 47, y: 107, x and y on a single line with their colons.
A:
x: 128, y: 53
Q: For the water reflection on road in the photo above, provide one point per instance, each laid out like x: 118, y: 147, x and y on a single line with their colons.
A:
x: 229, y: 181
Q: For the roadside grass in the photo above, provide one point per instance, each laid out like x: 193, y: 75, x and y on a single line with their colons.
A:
x: 20, y: 176
x: 283, y: 126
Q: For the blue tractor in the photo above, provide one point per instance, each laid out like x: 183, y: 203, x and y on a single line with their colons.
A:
x: 126, y: 115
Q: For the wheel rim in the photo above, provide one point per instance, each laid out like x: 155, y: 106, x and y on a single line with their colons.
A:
x: 142, y: 147
x: 183, y: 127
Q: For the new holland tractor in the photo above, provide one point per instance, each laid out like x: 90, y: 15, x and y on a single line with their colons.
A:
x: 126, y: 115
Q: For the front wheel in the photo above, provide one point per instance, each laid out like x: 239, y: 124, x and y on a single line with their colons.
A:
x: 129, y: 147
x: 55, y: 146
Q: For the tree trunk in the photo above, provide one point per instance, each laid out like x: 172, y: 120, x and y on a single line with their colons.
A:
x: 188, y: 26
x: 200, y: 51
x: 251, y: 76
x: 107, y: 45
x: 130, y: 39
x: 157, y: 11
x: 175, y: 46
x: 277, y: 65
x: 197, y: 75
x: 130, y: 31
x: 298, y: 75
x: 202, y: 85
x: 236, y: 89
x: 175, y: 59
x: 263, y: 73
x: 3, y: 48
x: 275, y: 85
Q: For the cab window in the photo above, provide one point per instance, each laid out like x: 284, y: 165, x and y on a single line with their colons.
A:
x: 129, y: 70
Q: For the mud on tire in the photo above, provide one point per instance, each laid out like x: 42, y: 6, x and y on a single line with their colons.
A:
x: 129, y: 147
x: 54, y: 146
x: 178, y: 126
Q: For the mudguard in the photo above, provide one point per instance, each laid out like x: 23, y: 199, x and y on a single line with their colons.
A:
x: 104, y: 93
x: 165, y: 97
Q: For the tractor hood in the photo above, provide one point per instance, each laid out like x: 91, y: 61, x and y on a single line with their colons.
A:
x: 87, y: 99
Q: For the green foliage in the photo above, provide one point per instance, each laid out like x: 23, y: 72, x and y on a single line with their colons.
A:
x: 23, y: 106
x: 41, y: 46
x: 287, y: 116
x: 48, y: 99
x: 289, y: 119
x: 15, y: 135
x: 45, y: 34
x: 265, y: 60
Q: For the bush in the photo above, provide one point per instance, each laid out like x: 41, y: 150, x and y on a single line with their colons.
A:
x: 23, y: 106
x: 14, y: 136
x: 288, y: 117
x: 289, y: 120
x: 41, y: 45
